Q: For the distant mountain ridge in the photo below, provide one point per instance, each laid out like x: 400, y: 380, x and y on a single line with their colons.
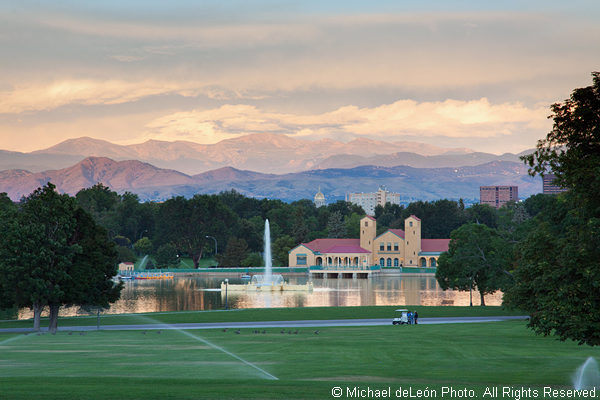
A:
x: 266, y: 153
x: 155, y: 184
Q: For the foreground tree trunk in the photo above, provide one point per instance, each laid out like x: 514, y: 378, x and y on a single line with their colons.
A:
x: 37, y: 313
x: 482, y: 298
x: 53, y: 323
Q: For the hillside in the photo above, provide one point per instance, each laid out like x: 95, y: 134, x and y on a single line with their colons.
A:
x: 155, y: 184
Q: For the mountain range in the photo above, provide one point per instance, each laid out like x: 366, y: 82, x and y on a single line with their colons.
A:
x: 266, y: 153
x: 156, y: 184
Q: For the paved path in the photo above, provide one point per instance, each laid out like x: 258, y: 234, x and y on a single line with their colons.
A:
x: 273, y: 324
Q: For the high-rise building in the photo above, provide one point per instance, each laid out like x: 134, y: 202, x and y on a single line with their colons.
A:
x: 497, y: 196
x: 368, y: 201
x: 550, y: 187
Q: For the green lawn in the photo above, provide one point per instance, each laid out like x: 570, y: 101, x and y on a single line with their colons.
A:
x: 274, y: 314
x: 216, y: 364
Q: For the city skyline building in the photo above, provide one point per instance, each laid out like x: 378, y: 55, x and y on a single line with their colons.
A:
x: 497, y: 196
x: 368, y: 201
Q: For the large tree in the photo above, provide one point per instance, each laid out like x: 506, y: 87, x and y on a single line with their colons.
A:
x: 49, y: 220
x: 477, y: 257
x: 558, y: 274
x: 52, y: 254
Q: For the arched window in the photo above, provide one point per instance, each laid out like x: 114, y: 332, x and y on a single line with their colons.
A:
x: 396, y: 262
x: 389, y: 262
x: 382, y: 262
x: 423, y: 262
x: 433, y: 262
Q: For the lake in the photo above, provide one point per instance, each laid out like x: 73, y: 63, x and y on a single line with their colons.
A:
x: 203, y: 293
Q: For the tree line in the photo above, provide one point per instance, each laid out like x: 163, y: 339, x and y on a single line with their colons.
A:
x: 229, y: 226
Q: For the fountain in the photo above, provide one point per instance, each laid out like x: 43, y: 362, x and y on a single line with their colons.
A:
x: 268, y: 281
x: 268, y: 278
x: 587, y: 375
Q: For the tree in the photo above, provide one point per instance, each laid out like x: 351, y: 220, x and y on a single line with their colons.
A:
x: 125, y: 254
x: 482, y: 214
x: 559, y: 262
x: 52, y: 254
x: 235, y: 252
x: 352, y: 223
x: 101, y: 203
x: 253, y: 260
x: 143, y: 246
x: 49, y: 218
x: 187, y: 223
x: 335, y: 225
x: 10, y: 227
x: 122, y: 241
x: 299, y: 228
x: 281, y: 248
x: 166, y: 255
x: 91, y: 272
x: 477, y: 257
x: 572, y: 148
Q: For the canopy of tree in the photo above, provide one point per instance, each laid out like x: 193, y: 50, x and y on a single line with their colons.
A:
x: 477, y: 257
x: 558, y: 276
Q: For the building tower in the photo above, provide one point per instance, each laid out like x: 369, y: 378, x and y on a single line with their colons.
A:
x: 497, y: 196
x: 368, y: 231
x: 412, y: 240
x: 319, y: 199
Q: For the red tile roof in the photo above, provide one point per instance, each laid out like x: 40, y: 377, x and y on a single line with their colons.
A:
x: 368, y: 216
x: 415, y: 217
x: 398, y: 232
x: 336, y: 246
x: 434, y: 245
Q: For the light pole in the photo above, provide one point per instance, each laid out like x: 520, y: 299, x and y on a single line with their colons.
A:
x: 212, y: 237
x: 471, y: 293
x: 226, y: 286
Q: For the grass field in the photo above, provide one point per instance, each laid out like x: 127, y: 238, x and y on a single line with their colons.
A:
x: 216, y: 364
x: 273, y: 314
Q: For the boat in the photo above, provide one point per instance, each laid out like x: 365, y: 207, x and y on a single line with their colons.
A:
x: 154, y: 275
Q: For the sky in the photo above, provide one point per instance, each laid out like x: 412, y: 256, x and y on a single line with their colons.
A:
x: 475, y: 74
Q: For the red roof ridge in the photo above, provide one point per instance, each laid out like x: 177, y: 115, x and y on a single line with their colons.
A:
x: 415, y: 217
x: 398, y: 232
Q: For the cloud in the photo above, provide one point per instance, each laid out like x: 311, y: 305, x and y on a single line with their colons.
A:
x: 449, y: 118
x: 126, y: 58
x: 83, y: 91
x: 507, y: 55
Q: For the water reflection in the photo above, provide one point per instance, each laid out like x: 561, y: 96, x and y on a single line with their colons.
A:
x: 202, y: 293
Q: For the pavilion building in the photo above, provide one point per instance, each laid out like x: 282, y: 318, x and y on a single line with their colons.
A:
x: 393, y: 248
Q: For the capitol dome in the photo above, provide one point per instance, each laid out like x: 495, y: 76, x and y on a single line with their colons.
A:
x: 319, y: 199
